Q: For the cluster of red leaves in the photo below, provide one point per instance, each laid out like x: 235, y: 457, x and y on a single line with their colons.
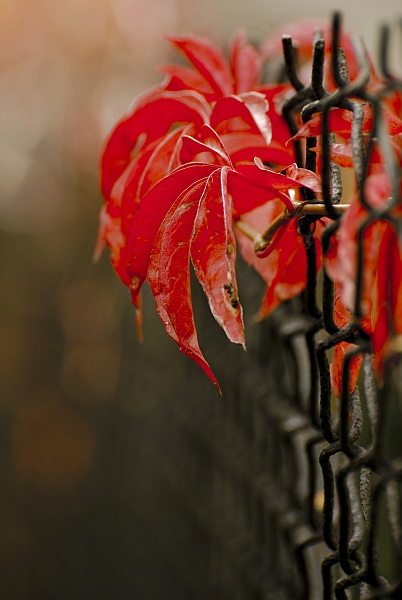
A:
x: 188, y: 162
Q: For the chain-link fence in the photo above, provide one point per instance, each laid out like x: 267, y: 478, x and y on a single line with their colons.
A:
x: 305, y: 497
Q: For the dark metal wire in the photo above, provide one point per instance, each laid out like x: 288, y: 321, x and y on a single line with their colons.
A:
x: 351, y: 501
x: 300, y: 485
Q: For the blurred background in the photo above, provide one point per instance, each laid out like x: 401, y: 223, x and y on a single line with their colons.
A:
x: 90, y: 448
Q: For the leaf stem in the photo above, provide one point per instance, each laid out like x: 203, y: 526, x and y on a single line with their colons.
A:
x: 263, y: 240
x: 247, y: 229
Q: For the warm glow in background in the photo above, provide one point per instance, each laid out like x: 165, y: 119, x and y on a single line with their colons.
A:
x: 69, y: 360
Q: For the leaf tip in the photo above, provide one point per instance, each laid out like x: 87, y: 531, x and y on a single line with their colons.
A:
x: 138, y: 324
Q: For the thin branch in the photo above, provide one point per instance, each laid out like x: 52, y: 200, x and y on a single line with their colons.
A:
x: 247, y: 230
x: 262, y: 240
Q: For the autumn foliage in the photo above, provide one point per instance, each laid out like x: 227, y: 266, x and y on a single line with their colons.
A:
x: 204, y: 164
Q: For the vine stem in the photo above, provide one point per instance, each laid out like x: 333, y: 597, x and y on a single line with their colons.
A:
x: 263, y: 240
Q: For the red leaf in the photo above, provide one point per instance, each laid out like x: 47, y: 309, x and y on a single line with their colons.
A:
x: 213, y: 253
x: 342, y: 317
x: 246, y: 195
x: 393, y: 123
x: 145, y: 170
x: 341, y: 154
x: 387, y: 311
x: 303, y: 176
x: 257, y: 104
x: 341, y: 259
x: 377, y: 189
x: 130, y: 176
x: 259, y: 219
x: 276, y: 96
x: 149, y: 214
x: 289, y: 262
x: 284, y: 267
x: 340, y: 121
x: 255, y: 187
x: 247, y: 112
x: 207, y: 59
x: 160, y: 161
x: 244, y: 146
x: 337, y: 366
x: 111, y: 234
x: 209, y: 142
x: 169, y: 274
x: 153, y: 115
x: 245, y: 63
x: 185, y: 78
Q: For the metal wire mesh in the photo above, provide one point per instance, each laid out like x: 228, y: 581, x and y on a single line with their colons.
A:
x: 304, y: 501
x: 360, y: 496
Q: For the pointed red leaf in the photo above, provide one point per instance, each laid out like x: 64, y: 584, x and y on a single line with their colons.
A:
x: 243, y: 146
x: 304, y: 176
x: 341, y: 259
x: 342, y: 316
x: 393, y: 123
x: 149, y: 214
x: 246, y: 195
x: 257, y: 186
x: 159, y: 163
x: 245, y: 63
x: 185, y: 78
x: 110, y: 234
x: 209, y: 142
x: 213, y: 253
x: 340, y: 121
x: 169, y: 274
x: 276, y: 96
x: 378, y: 189
x: 152, y: 116
x: 209, y: 137
x: 289, y: 262
x: 247, y: 112
x: 208, y: 59
x: 337, y: 365
x: 259, y: 219
x: 257, y: 104
x: 341, y: 154
x: 387, y: 293
x: 129, y: 177
x: 150, y: 165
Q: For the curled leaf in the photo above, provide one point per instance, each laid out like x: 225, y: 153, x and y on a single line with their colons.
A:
x: 213, y: 253
x: 149, y: 214
x: 247, y: 112
x: 209, y: 142
x: 185, y: 78
x: 245, y: 63
x: 208, y: 59
x: 171, y: 107
x: 169, y: 274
